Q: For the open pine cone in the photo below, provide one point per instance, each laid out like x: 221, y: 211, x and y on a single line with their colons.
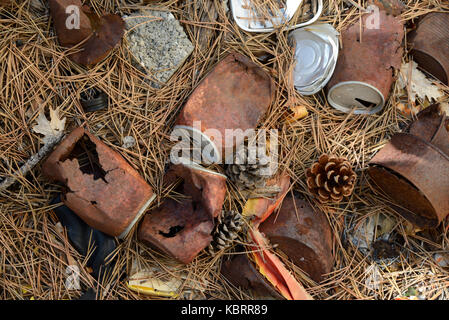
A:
x: 226, y: 231
x: 249, y: 170
x: 330, y: 179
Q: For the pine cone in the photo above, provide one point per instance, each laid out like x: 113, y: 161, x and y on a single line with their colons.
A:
x: 330, y: 179
x: 226, y: 231
x: 249, y: 171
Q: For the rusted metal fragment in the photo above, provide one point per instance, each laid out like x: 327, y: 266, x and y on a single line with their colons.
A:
x: 368, y: 57
x: 241, y: 272
x: 96, y: 35
x: 103, y: 190
x: 234, y: 95
x: 393, y: 7
x: 68, y: 37
x: 431, y: 126
x: 413, y: 173
x: 108, y: 31
x: 303, y: 234
x: 182, y: 229
x: 430, y: 45
x: 178, y: 229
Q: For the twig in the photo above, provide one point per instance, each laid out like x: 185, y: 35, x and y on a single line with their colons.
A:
x: 31, y: 162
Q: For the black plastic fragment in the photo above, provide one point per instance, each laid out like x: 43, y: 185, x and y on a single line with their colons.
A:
x: 83, y: 238
x: 94, y: 100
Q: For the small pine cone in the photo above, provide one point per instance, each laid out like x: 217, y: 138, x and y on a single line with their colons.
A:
x: 330, y: 179
x: 249, y: 170
x: 226, y: 231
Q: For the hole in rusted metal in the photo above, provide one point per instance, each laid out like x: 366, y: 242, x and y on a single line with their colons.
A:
x: 172, y: 232
x: 85, y: 152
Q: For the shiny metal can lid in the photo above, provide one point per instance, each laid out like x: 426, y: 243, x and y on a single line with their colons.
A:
x: 316, y: 53
x: 250, y: 19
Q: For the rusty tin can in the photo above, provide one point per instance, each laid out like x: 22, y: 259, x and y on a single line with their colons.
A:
x: 303, y: 234
x: 240, y: 271
x: 102, y: 188
x: 430, y: 45
x: 432, y: 125
x: 233, y: 96
x: 183, y: 228
x: 364, y: 73
x: 413, y: 173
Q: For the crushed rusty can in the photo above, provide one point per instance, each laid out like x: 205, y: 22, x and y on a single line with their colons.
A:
x: 241, y: 272
x: 183, y: 228
x: 429, y: 44
x: 101, y: 187
x: 303, y: 234
x: 233, y: 96
x: 413, y: 172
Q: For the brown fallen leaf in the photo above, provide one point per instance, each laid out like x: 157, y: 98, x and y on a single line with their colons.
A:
x: 95, y: 36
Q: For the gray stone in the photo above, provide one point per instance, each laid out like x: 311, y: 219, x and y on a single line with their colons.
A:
x: 158, y: 43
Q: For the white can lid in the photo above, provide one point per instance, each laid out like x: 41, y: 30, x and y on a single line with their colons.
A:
x: 245, y: 16
x: 361, y: 96
x: 316, y: 53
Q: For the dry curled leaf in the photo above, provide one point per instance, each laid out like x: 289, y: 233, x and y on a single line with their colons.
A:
x: 420, y: 86
x: 297, y: 113
x: 53, y: 129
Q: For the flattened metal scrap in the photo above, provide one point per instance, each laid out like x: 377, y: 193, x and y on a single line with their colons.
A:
x: 101, y: 34
x: 234, y: 95
x: 182, y: 229
x: 414, y: 174
x: 303, y: 234
x: 111, y: 202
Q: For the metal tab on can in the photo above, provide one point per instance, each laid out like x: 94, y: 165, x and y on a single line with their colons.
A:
x: 365, y: 98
